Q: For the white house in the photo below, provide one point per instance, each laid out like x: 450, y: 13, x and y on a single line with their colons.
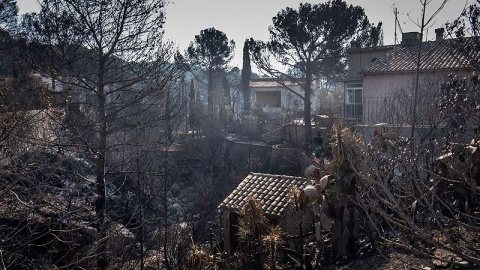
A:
x: 274, y: 97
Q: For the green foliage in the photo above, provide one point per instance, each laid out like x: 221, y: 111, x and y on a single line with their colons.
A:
x: 312, y: 40
x: 211, y: 49
x: 246, y: 75
x: 372, y: 36
x: 314, y: 37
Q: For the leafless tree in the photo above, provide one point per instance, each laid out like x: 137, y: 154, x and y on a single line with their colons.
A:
x: 426, y: 22
x: 110, y: 53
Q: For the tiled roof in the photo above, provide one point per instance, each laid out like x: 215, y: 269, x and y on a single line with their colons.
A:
x: 436, y: 55
x: 271, y: 190
x: 371, y: 49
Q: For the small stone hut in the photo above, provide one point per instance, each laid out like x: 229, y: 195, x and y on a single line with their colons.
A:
x: 272, y: 191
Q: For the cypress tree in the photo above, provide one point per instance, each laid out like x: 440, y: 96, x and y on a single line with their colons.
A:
x: 246, y: 76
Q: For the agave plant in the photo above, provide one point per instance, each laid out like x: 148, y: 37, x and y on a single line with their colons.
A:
x: 252, y: 225
x: 202, y: 260
x: 253, y: 222
x: 272, y: 241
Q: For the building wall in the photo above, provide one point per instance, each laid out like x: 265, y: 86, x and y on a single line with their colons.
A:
x: 378, y: 90
x: 290, y: 224
x: 226, y: 231
x: 357, y: 60
x: 384, y: 84
x: 288, y: 99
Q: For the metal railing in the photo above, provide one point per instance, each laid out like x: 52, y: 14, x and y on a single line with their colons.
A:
x: 380, y: 110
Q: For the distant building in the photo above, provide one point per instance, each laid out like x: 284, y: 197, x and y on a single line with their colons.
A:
x: 375, y: 73
x: 274, y: 97
x: 272, y: 191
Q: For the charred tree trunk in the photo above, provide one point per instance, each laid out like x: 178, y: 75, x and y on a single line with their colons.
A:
x: 273, y: 265
x: 100, y: 205
x: 191, y: 107
x: 307, y: 109
x: 210, y: 90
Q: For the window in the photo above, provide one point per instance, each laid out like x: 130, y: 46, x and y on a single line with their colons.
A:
x: 354, y: 100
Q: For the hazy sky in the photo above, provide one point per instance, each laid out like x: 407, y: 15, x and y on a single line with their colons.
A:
x: 241, y: 19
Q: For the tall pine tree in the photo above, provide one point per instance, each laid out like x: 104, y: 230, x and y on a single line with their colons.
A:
x: 211, y: 50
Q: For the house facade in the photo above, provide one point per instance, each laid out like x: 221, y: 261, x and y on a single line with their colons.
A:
x: 380, y: 81
x: 273, y: 97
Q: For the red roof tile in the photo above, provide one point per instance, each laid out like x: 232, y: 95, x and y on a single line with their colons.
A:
x: 436, y: 55
x: 270, y: 190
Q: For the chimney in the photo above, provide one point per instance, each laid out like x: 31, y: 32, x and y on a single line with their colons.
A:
x: 410, y: 39
x: 439, y: 34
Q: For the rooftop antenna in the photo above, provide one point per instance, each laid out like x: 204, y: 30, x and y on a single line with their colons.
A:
x: 395, y: 11
x: 397, y: 22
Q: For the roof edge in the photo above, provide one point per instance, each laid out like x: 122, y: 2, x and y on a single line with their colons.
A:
x: 413, y: 70
x: 371, y: 49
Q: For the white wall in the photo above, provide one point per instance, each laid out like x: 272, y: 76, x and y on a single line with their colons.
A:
x: 289, y: 100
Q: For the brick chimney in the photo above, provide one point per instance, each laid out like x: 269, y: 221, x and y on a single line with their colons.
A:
x: 410, y: 39
x: 439, y: 34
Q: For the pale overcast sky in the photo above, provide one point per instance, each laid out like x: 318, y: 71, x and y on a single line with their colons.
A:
x: 241, y: 19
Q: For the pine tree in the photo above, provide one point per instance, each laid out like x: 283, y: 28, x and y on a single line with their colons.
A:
x: 211, y: 51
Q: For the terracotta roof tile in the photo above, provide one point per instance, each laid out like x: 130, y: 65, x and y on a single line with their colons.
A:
x: 436, y: 55
x: 370, y: 49
x: 271, y: 190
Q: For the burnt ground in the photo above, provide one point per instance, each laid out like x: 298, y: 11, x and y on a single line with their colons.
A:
x: 388, y: 258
